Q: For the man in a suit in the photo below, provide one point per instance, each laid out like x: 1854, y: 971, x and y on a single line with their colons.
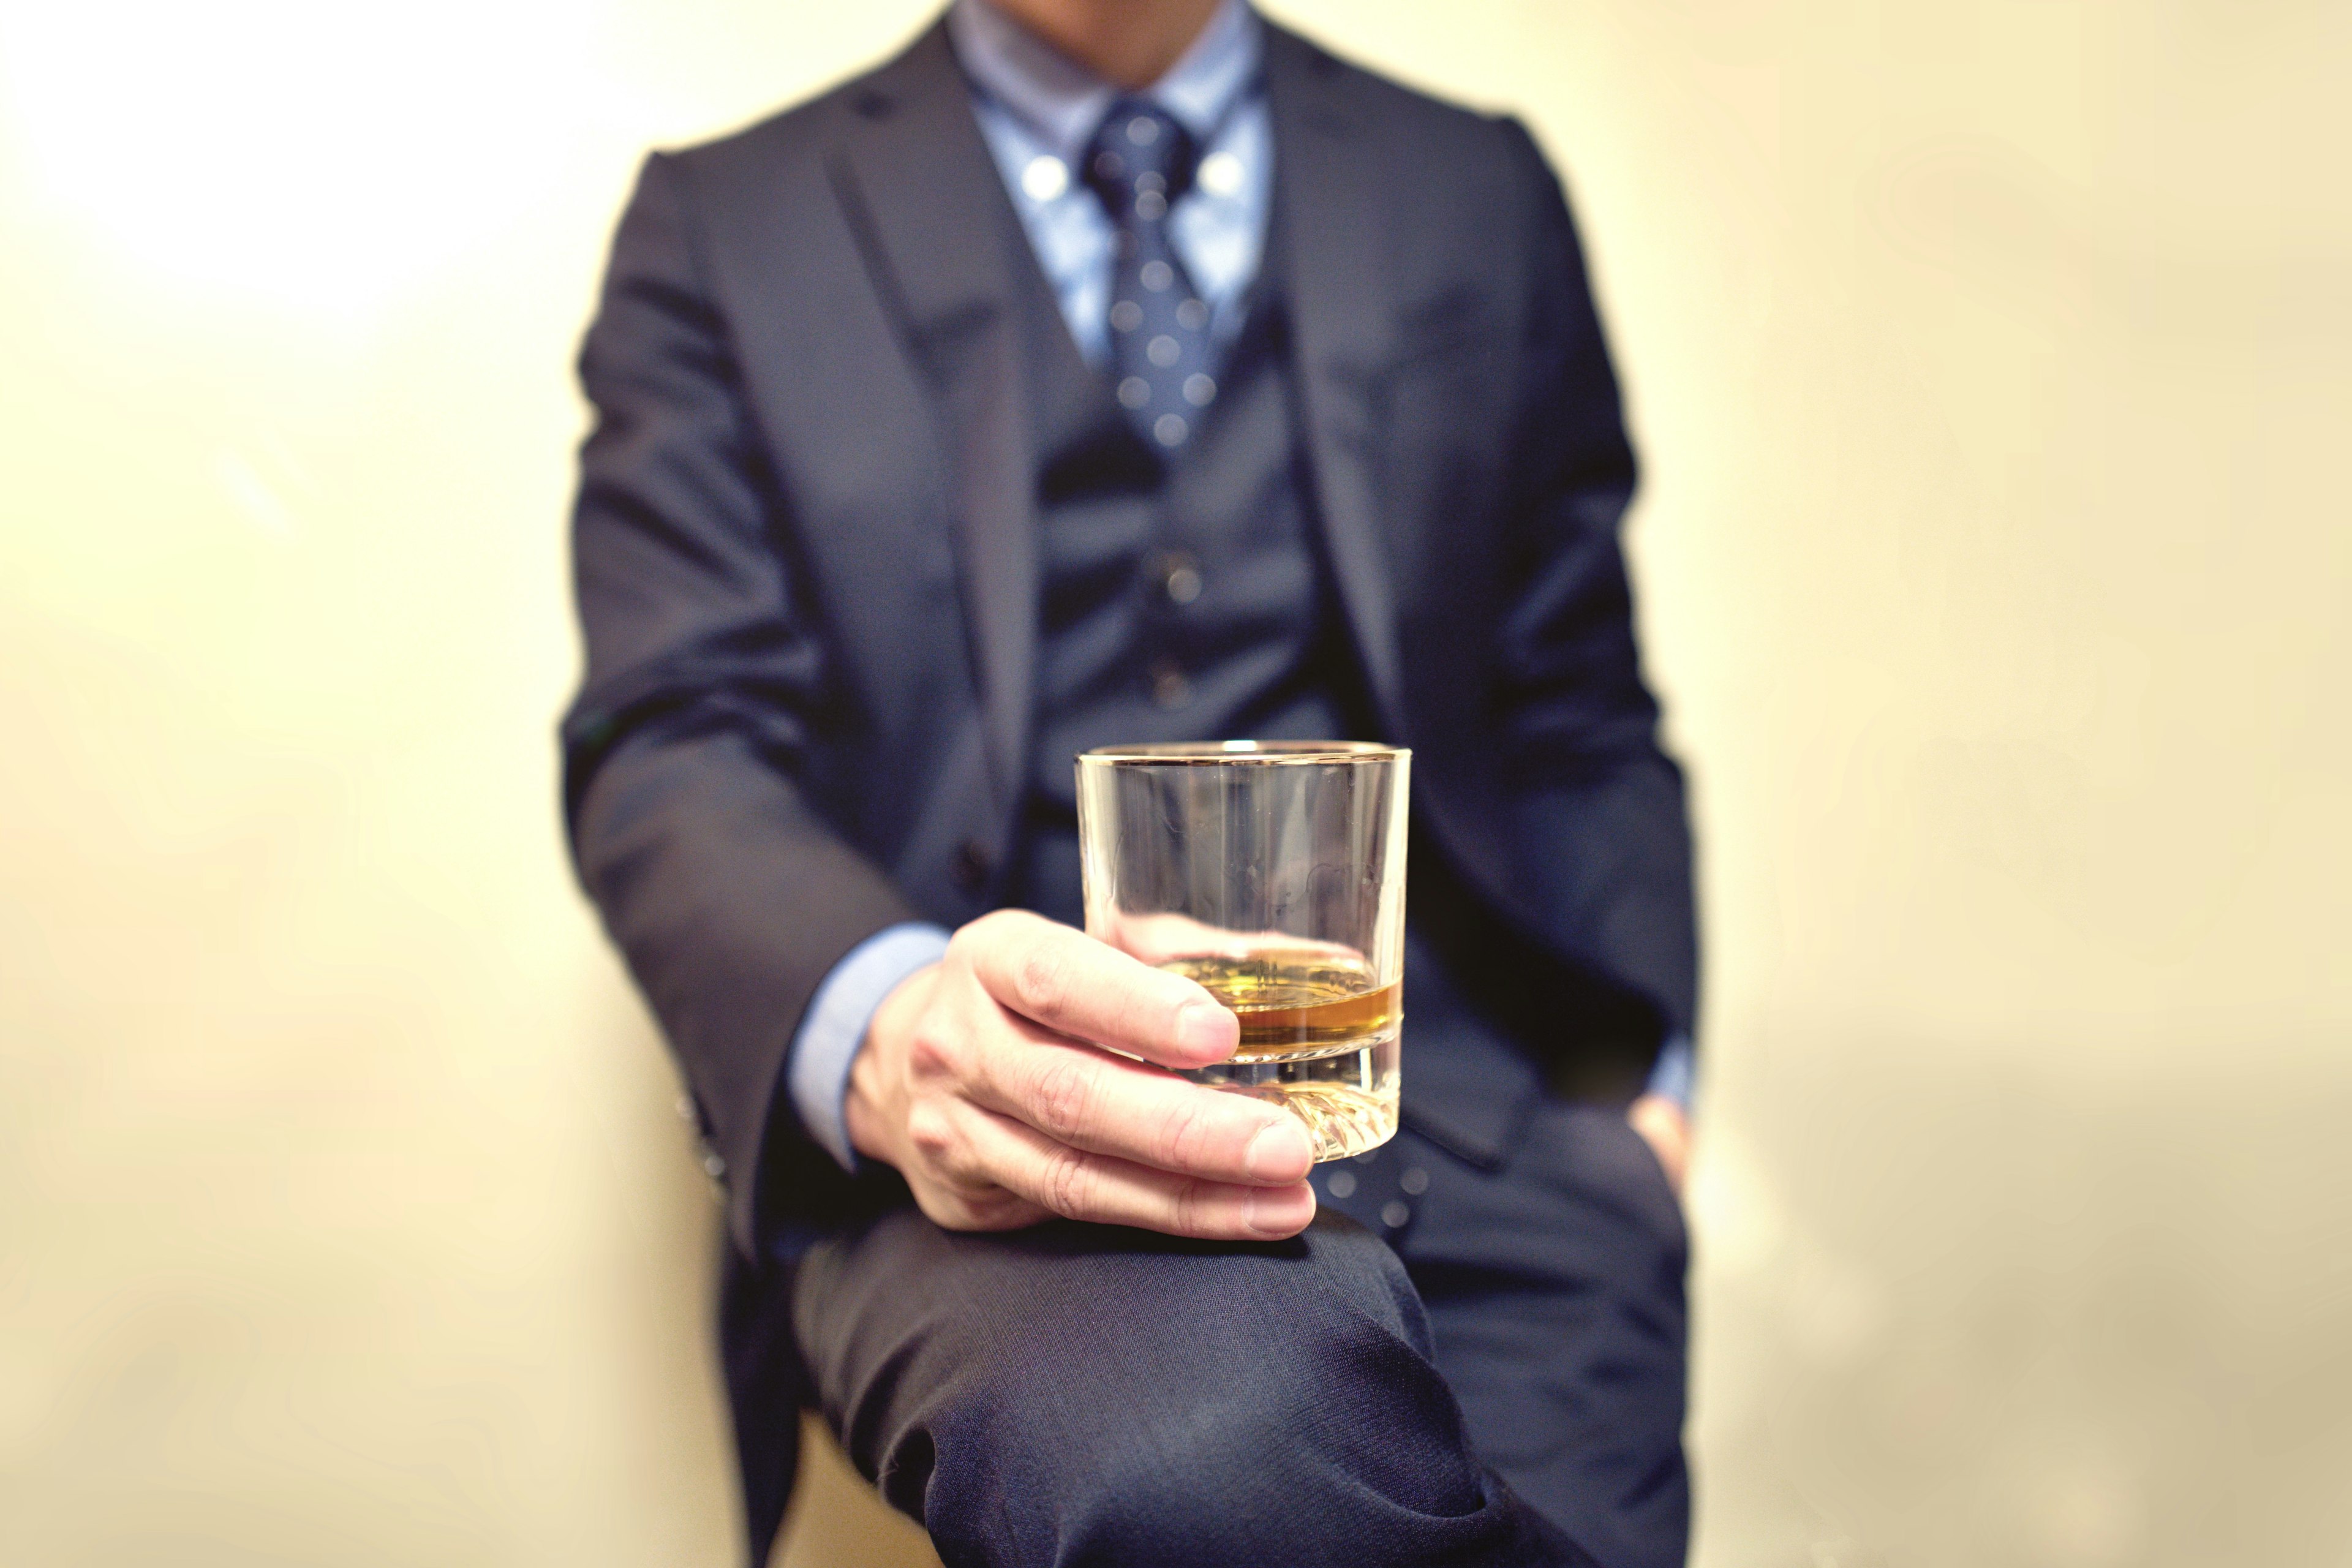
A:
x: 1101, y: 372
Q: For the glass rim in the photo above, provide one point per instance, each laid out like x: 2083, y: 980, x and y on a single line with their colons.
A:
x: 1195, y: 753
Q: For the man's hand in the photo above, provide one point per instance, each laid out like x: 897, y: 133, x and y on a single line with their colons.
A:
x: 1665, y: 1126
x: 989, y: 1081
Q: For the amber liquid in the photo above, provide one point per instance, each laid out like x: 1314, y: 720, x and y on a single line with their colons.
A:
x: 1319, y: 1036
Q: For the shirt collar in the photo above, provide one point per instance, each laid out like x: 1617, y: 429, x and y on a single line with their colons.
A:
x: 1061, y: 102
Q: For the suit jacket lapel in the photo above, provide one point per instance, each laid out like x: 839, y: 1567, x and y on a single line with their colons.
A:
x: 928, y: 209
x: 1330, y: 213
x: 925, y: 200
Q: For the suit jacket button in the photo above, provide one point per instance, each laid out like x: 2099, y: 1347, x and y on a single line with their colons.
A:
x: 972, y: 866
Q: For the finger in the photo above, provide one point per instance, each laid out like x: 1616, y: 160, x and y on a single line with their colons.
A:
x: 1066, y: 980
x: 954, y: 1208
x: 1109, y: 1191
x: 949, y: 1180
x: 1106, y: 1105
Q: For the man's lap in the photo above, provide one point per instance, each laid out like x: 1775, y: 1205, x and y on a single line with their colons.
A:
x: 1077, y: 1394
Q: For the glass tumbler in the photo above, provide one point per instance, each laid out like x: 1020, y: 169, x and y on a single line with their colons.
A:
x: 1273, y: 873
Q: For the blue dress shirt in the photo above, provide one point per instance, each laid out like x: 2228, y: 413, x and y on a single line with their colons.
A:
x: 1037, y: 109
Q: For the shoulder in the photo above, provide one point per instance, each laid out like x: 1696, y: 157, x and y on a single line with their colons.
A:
x: 1461, y: 199
x: 795, y: 139
x: 1423, y: 132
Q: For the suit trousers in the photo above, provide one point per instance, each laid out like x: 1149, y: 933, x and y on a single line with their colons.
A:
x: 1451, y: 1366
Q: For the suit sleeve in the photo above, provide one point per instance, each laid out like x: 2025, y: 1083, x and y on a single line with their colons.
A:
x: 1597, y: 805
x: 728, y: 897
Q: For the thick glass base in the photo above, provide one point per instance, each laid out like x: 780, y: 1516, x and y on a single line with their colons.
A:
x: 1345, y: 1094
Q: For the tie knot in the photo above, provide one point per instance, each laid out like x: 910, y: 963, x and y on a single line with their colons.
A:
x: 1140, y: 160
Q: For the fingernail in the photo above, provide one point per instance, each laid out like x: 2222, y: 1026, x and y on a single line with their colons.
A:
x: 1273, y: 1211
x: 1206, y: 1032
x: 1278, y: 1153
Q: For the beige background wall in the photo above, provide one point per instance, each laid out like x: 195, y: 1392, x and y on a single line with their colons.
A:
x: 1991, y: 363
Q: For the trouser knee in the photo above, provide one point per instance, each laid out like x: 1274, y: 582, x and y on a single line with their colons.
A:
x: 1167, y: 1404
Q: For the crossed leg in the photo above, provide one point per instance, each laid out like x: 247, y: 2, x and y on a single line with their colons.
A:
x: 1072, y: 1394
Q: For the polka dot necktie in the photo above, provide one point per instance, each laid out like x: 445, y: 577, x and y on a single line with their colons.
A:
x: 1139, y: 164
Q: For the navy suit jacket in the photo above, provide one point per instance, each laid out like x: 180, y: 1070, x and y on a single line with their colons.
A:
x: 808, y: 581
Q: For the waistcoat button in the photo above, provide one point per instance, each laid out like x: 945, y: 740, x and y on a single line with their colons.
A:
x: 1179, y: 577
x: 1169, y: 690
x: 972, y: 866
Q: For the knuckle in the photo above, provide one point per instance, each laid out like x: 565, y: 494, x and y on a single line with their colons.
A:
x: 932, y: 1133
x: 1191, y: 1213
x: 1043, y: 978
x: 986, y: 930
x: 931, y: 1049
x: 1187, y: 1129
x: 967, y: 941
x: 1068, y: 1183
x: 1063, y: 1095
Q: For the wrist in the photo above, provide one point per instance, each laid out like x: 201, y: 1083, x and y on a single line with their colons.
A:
x: 873, y: 1106
x: 1665, y: 1127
